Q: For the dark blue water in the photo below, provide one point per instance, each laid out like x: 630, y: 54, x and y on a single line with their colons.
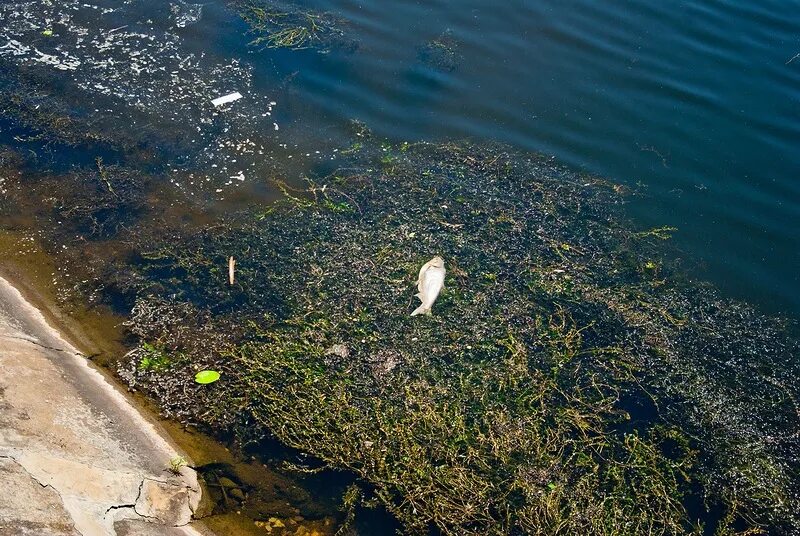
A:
x: 695, y: 103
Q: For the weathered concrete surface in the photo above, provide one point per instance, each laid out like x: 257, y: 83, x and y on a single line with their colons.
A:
x: 76, y: 458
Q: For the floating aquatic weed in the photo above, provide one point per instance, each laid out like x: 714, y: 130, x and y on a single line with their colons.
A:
x: 441, y: 53
x: 284, y: 25
x: 561, y: 388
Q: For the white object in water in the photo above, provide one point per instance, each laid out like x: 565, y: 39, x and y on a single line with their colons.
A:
x: 429, y: 284
x: 219, y: 101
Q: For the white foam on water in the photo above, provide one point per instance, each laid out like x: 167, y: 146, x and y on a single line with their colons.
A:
x: 143, y: 74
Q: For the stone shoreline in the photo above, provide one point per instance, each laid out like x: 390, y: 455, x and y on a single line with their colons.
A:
x: 76, y: 456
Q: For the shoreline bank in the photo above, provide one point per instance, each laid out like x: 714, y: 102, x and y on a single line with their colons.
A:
x: 80, y: 456
x: 95, y: 336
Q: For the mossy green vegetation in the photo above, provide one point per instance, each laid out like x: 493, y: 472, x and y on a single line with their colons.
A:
x: 153, y: 358
x: 569, y: 381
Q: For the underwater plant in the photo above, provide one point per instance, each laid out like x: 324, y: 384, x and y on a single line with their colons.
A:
x: 558, y: 388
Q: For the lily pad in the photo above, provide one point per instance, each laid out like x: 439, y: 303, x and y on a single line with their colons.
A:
x: 206, y: 376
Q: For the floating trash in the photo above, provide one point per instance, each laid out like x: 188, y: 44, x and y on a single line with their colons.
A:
x: 219, y: 101
x: 136, y: 68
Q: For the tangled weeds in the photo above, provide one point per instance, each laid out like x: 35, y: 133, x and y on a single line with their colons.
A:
x: 569, y: 382
x: 276, y: 24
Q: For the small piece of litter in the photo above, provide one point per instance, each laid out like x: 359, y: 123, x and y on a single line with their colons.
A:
x: 219, y: 101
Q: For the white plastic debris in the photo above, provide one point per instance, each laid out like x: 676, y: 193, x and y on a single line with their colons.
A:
x: 219, y: 101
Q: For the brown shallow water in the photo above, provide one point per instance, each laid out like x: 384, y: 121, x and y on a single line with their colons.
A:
x: 97, y: 331
x: 100, y: 334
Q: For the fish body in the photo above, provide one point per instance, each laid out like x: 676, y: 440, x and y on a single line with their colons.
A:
x: 429, y: 284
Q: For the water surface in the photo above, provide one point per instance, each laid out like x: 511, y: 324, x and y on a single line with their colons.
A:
x: 697, y: 102
x: 694, y: 102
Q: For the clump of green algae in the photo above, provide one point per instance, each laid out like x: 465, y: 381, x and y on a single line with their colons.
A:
x: 568, y: 383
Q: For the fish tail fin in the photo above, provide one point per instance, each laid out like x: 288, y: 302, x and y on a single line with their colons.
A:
x: 421, y: 310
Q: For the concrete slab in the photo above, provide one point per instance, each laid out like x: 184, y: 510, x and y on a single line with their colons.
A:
x: 27, y: 507
x: 76, y: 457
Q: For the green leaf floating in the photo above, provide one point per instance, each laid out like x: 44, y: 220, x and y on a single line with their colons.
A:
x: 206, y: 376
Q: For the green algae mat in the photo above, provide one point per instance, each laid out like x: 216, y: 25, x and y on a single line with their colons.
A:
x: 570, y: 381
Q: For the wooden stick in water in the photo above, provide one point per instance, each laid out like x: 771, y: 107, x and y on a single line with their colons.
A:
x: 231, y: 269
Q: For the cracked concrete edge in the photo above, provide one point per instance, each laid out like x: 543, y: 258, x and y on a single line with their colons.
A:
x: 98, y: 378
x: 50, y: 520
x: 152, y: 502
x: 30, y: 317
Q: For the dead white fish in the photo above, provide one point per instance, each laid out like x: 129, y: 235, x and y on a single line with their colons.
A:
x: 429, y: 284
x: 231, y: 269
